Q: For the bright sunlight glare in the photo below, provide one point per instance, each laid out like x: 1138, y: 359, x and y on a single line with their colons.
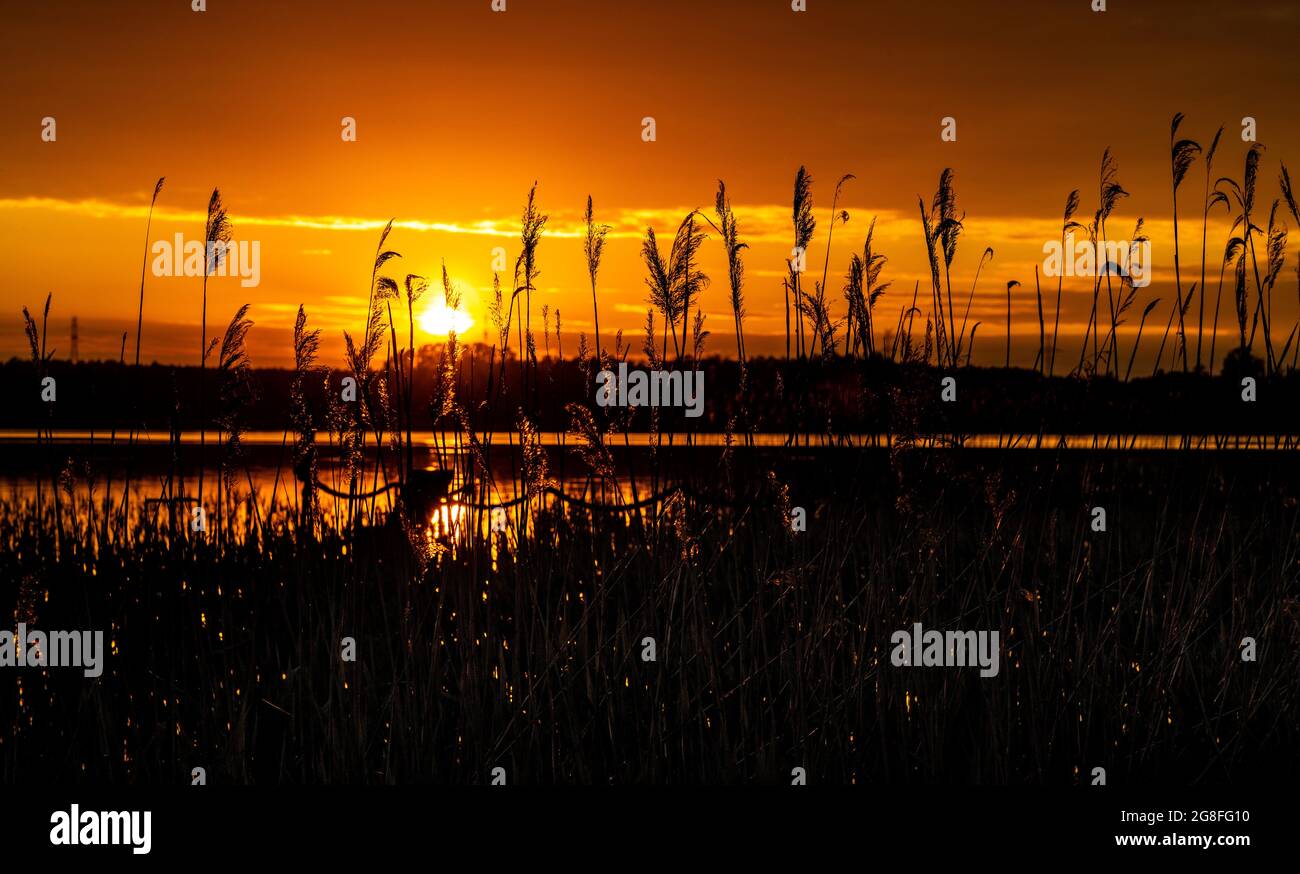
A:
x: 440, y: 321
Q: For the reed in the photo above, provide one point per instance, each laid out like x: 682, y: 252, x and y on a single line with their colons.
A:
x: 144, y: 263
x: 686, y: 282
x: 1109, y: 193
x: 1040, y: 363
x: 970, y: 299
x: 1128, y: 372
x: 1010, y: 285
x: 531, y: 225
x: 216, y: 235
x: 1243, y: 195
x: 1208, y: 200
x: 659, y: 282
x: 1182, y: 153
x: 1127, y: 296
x: 594, y: 247
x: 837, y: 215
x: 728, y: 230
x: 1068, y: 224
x: 804, y: 226
x: 236, y: 391
x: 1288, y: 196
x: 306, y: 347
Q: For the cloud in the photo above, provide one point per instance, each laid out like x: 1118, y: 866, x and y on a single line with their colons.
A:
x: 758, y: 223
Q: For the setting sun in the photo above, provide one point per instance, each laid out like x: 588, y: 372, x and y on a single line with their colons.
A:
x: 440, y: 321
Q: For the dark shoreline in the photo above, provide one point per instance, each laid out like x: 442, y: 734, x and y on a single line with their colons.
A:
x: 838, y: 396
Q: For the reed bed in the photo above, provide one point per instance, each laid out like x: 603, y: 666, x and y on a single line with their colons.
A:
x: 1121, y: 649
x: 520, y: 645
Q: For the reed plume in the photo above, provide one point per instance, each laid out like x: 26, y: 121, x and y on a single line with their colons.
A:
x: 1109, y: 192
x: 236, y: 392
x: 237, y: 387
x: 1068, y: 224
x: 33, y: 338
x: 1240, y: 295
x: 536, y: 473
x: 594, y: 246
x: 728, y: 230
x: 932, y: 256
x: 590, y: 441
x: 1275, y: 237
x: 804, y: 226
x: 855, y: 297
x: 648, y: 342
x: 139, y: 319
x: 306, y: 345
x: 444, y: 397
x: 814, y: 306
x: 687, y: 281
x: 698, y: 335
x: 1244, y: 196
x: 660, y: 284
x: 837, y: 215
x: 531, y: 224
x: 1207, y: 201
x: 359, y: 359
x: 216, y: 236
x: 415, y: 287
x: 1181, y: 155
x: 947, y: 229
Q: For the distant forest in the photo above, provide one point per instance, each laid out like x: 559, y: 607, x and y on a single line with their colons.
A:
x: 820, y: 396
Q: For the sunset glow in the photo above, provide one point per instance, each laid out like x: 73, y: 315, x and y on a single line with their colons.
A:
x: 456, y: 197
x: 439, y: 321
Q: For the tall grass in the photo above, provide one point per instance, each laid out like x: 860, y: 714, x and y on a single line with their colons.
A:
x: 804, y: 226
x: 1068, y: 225
x: 773, y: 646
x: 216, y: 236
x: 144, y: 264
x: 1208, y: 200
x: 594, y: 247
x: 1182, y: 153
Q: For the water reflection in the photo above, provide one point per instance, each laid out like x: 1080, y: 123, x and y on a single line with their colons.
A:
x: 161, y: 494
x: 447, y: 442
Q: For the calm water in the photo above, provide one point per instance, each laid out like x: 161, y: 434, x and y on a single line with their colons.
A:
x: 94, y: 466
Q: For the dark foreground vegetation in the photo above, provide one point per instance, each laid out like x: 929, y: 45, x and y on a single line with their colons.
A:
x: 523, y: 649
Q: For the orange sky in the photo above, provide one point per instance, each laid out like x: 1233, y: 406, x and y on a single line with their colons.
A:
x: 460, y: 109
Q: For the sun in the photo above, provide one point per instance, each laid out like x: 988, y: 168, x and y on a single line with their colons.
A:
x: 440, y: 321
